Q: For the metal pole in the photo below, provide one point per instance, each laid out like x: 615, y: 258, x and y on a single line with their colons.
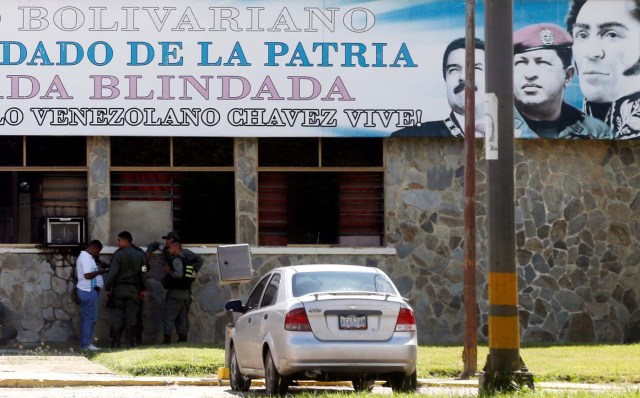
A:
x: 470, y: 353
x: 504, y: 368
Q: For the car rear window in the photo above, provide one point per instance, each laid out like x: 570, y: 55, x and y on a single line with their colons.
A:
x: 337, y: 281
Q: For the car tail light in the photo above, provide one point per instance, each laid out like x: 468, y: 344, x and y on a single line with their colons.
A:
x: 406, y: 321
x: 297, y: 321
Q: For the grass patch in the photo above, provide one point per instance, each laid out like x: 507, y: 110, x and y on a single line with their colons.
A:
x: 528, y: 394
x: 575, y: 363
x: 586, y: 363
x: 192, y: 360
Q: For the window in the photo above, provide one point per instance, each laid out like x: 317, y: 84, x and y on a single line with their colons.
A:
x: 271, y: 294
x: 340, y: 281
x: 11, y: 151
x: 40, y: 177
x: 182, y: 184
x: 56, y: 151
x: 324, y: 191
x: 256, y: 293
x: 138, y: 151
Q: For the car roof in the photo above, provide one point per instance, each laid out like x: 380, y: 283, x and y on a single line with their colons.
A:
x: 332, y: 267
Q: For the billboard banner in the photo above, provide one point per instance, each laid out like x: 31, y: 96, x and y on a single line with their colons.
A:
x: 312, y: 68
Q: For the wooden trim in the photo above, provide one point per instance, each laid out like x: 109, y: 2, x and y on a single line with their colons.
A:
x: 171, y: 169
x: 45, y: 168
x: 24, y: 151
x: 322, y: 169
x: 171, y: 152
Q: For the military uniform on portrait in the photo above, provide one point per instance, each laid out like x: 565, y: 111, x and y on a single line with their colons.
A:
x: 572, y: 124
x: 449, y: 127
x: 624, y: 117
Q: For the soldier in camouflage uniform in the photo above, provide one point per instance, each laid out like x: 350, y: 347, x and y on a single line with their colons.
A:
x: 179, y: 275
x: 125, y: 289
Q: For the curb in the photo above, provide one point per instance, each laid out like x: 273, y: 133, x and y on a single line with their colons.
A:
x: 79, y: 380
x: 75, y: 381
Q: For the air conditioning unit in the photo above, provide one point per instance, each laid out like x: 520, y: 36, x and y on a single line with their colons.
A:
x: 66, y: 231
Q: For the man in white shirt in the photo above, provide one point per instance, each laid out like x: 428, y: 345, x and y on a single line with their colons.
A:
x: 89, y: 284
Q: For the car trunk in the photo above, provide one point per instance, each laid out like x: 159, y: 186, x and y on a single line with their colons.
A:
x: 352, y: 317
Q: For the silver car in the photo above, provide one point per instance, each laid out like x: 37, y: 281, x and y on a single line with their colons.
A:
x: 324, y: 322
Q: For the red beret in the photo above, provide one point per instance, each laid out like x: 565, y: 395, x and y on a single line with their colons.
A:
x: 542, y: 36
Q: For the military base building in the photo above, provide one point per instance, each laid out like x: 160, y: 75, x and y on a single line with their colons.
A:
x: 315, y: 132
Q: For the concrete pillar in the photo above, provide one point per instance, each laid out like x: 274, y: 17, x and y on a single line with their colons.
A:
x: 98, y: 188
x: 246, y: 186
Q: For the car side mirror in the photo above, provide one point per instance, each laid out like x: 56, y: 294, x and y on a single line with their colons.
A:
x: 235, y: 306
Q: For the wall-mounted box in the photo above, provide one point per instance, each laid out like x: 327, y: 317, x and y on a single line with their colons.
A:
x: 235, y: 264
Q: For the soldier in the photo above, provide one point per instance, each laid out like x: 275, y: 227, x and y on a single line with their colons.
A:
x: 164, y: 247
x: 125, y: 289
x: 179, y: 275
x: 542, y: 70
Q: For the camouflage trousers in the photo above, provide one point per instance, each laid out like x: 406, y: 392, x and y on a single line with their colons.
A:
x: 176, y: 313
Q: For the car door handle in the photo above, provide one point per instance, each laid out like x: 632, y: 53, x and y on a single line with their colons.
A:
x: 266, y: 316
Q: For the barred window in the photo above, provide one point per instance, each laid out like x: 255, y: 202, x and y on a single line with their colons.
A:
x: 181, y: 184
x: 330, y: 191
x: 40, y: 178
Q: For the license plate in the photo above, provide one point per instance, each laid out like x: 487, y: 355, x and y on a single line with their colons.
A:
x: 352, y: 322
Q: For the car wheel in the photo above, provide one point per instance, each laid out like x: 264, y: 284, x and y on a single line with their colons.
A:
x: 275, y: 384
x: 237, y: 380
x: 360, y: 384
x: 400, y: 382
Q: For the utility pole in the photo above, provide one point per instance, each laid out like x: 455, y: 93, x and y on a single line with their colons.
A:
x: 504, y: 368
x: 470, y: 353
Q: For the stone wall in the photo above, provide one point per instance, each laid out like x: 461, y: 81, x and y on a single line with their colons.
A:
x: 577, y: 235
x: 578, y: 249
x: 36, y: 289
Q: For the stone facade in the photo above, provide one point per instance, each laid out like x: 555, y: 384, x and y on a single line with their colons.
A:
x: 99, y: 192
x: 246, y: 164
x: 577, y: 235
x: 40, y: 301
x: 36, y: 288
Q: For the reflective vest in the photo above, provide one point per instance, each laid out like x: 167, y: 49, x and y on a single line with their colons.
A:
x: 188, y: 275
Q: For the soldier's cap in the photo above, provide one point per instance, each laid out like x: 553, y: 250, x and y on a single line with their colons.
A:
x: 173, y: 236
x: 542, y: 36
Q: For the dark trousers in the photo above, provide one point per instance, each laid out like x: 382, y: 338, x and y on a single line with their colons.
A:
x: 176, y: 313
x: 124, y: 318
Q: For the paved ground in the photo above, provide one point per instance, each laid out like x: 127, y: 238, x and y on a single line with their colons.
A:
x: 45, y: 374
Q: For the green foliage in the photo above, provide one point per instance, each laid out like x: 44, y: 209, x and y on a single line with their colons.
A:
x: 575, y: 363
x: 177, y: 360
x: 584, y: 363
x: 572, y: 363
